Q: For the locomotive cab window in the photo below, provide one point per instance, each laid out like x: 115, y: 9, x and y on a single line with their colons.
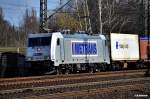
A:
x: 39, y: 41
x: 58, y: 41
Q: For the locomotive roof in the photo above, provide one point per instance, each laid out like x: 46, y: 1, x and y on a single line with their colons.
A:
x: 40, y: 35
x: 75, y: 35
x: 83, y: 35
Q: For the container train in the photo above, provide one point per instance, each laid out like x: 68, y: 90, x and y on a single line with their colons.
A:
x: 66, y: 53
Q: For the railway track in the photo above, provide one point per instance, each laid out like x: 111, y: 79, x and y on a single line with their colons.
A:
x: 49, y: 90
x: 70, y: 79
x: 121, y: 92
x: 19, y: 79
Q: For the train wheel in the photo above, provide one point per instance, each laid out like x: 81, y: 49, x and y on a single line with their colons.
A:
x: 88, y: 68
x: 67, y: 71
x: 75, y: 69
x: 91, y: 70
x: 57, y: 70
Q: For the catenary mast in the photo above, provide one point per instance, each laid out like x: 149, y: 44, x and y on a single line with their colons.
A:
x: 43, y: 15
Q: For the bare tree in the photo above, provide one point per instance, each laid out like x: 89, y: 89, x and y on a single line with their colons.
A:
x: 117, y: 16
x: 30, y: 25
x: 30, y: 22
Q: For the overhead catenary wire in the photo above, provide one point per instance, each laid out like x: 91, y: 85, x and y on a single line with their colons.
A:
x: 22, y: 5
x: 12, y: 6
x: 57, y: 10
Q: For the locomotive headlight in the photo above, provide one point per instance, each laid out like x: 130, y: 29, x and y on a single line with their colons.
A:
x: 47, y: 57
x: 29, y: 58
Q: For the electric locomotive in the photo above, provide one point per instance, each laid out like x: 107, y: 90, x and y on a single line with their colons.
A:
x: 66, y: 53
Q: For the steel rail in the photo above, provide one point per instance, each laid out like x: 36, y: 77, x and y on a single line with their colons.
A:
x: 18, y: 93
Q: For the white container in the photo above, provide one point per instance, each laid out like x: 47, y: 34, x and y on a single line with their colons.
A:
x: 124, y: 46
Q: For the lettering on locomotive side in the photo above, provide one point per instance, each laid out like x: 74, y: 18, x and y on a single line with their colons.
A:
x: 84, y: 48
x: 123, y: 46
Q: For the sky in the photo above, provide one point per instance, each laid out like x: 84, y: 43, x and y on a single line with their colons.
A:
x: 14, y: 10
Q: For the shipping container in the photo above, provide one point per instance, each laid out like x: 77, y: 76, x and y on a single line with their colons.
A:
x: 144, y: 48
x: 124, y: 47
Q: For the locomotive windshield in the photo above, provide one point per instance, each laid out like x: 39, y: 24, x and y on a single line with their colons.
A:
x: 39, y: 41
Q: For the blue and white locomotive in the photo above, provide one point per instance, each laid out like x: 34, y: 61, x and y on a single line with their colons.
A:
x: 65, y: 53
